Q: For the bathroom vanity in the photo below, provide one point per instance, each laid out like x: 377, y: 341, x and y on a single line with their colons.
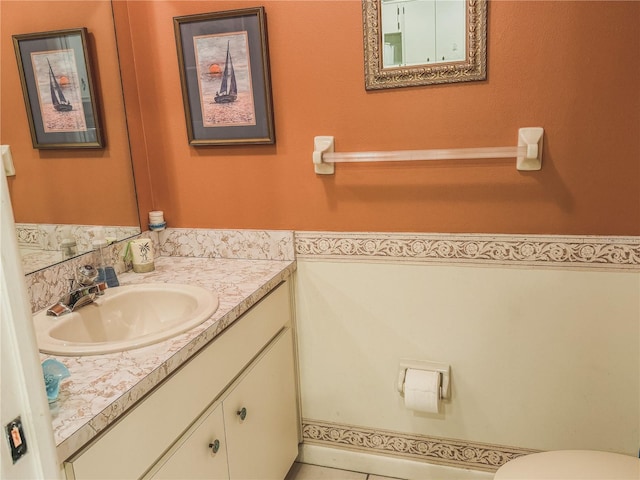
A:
x: 219, y: 401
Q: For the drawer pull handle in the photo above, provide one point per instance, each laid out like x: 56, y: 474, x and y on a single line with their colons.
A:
x: 242, y: 413
x: 215, y: 446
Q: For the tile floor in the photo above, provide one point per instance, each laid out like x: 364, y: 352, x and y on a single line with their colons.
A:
x: 305, y: 471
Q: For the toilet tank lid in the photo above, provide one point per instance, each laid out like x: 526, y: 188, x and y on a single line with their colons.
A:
x: 571, y: 465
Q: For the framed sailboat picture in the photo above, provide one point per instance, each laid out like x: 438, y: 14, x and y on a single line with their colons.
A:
x: 57, y: 84
x: 224, y: 70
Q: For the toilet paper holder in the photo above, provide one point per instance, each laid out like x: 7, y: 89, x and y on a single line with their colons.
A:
x: 442, y: 368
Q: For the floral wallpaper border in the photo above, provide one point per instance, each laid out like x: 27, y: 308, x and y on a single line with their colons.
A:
x: 617, y: 253
x: 440, y: 451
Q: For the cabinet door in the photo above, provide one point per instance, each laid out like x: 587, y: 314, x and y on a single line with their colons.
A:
x: 419, y: 32
x: 200, y: 454
x: 451, y: 31
x: 260, y: 416
x: 391, y: 15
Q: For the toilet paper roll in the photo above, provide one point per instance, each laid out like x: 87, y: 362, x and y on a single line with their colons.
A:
x: 142, y: 255
x: 422, y: 390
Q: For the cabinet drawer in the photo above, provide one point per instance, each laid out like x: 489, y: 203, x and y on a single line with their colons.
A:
x: 128, y: 448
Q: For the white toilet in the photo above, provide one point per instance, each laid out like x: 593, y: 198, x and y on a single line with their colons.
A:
x: 571, y: 465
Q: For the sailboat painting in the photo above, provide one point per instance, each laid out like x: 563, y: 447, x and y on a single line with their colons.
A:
x: 224, y: 79
x: 224, y: 73
x: 59, y: 91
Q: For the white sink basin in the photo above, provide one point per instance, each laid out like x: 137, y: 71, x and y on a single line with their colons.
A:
x: 125, y: 318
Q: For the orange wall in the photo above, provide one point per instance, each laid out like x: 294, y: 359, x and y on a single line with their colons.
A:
x: 571, y: 67
x: 67, y: 186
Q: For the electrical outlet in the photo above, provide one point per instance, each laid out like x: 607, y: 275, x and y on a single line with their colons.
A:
x: 17, y: 441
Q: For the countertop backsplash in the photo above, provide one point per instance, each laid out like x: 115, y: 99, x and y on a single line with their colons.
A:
x: 46, y: 286
x: 229, y: 244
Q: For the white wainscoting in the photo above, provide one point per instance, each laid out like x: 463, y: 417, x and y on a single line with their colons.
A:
x: 541, y: 358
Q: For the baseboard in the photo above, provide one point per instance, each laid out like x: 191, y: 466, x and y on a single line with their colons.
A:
x: 384, y: 465
x: 457, y: 454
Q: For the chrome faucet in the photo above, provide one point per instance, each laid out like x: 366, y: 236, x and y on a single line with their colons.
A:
x: 83, y: 290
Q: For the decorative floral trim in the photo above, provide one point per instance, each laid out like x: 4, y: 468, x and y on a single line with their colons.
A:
x: 28, y: 235
x: 441, y: 451
x: 579, y: 252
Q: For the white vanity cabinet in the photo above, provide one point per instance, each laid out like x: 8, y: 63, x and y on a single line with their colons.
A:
x: 172, y: 432
x: 247, y: 434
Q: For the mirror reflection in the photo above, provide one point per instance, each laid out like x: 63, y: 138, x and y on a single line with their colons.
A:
x: 42, y: 245
x: 59, y: 196
x: 423, y: 42
x: 420, y: 32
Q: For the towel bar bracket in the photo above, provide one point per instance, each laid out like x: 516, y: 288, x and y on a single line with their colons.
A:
x: 321, y: 145
x: 531, y: 138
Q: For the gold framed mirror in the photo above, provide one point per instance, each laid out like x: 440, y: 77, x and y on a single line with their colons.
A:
x: 424, y: 42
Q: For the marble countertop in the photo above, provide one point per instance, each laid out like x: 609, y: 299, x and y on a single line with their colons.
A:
x: 102, y: 387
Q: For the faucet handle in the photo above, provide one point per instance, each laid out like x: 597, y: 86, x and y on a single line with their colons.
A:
x: 87, y: 275
x: 101, y: 287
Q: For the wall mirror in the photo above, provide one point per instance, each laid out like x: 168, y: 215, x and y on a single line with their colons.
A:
x: 59, y: 196
x: 424, y: 42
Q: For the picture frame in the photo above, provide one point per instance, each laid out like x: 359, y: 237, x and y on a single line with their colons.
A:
x: 224, y: 72
x: 58, y: 88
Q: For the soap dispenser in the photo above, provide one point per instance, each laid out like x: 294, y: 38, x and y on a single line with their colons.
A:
x: 106, y: 273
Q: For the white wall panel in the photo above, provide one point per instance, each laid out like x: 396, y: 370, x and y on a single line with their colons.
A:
x: 540, y: 358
